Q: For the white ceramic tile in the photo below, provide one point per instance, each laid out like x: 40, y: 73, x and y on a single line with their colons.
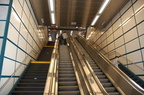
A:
x: 127, y: 15
x: 142, y: 41
x: 119, y: 42
x: 15, y: 20
x: 22, y: 43
x: 129, y: 24
x: 20, y: 56
x: 2, y: 27
x: 139, y: 16
x: 118, y: 33
x: 8, y: 67
x: 3, y: 12
x: 138, y: 5
x: 130, y: 35
x: 141, y: 28
x: 4, y: 1
x: 16, y: 5
x: 13, y: 34
x: 125, y: 7
x: 133, y: 45
x: 10, y: 50
x: 134, y: 57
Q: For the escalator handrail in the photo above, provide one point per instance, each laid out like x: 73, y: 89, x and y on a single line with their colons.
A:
x: 130, y: 81
x: 89, y: 68
x: 82, y: 75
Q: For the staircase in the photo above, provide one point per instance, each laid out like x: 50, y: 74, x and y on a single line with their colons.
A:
x: 67, y: 83
x: 108, y: 86
x: 33, y: 80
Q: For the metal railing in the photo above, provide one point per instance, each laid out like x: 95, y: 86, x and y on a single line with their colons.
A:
x: 51, y: 84
x: 96, y: 87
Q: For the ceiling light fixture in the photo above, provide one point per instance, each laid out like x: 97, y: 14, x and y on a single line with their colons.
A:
x: 53, y: 18
x: 106, y: 2
x: 103, y: 6
x: 51, y: 4
x: 95, y: 19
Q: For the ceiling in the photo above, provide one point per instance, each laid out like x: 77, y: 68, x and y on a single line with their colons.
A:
x: 82, y: 12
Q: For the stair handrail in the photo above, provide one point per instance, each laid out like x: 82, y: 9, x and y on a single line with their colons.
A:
x: 51, y: 77
x: 14, y: 72
x: 94, y: 78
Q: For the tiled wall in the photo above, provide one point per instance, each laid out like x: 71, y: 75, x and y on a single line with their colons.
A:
x: 124, y: 36
x: 21, y: 40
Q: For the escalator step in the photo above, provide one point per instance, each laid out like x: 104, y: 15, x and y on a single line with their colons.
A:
x: 70, y: 83
x: 65, y: 66
x: 69, y: 93
x: 67, y: 79
x: 65, y: 69
x: 104, y: 80
x: 110, y: 89
x: 66, y: 75
x: 66, y: 72
x: 101, y: 76
x: 114, y: 93
x: 97, y: 70
x: 107, y: 84
x: 99, y: 73
x: 68, y: 88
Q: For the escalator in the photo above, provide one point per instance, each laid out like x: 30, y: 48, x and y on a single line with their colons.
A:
x: 67, y: 83
x: 108, y: 86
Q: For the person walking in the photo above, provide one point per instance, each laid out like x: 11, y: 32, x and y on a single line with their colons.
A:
x: 65, y: 36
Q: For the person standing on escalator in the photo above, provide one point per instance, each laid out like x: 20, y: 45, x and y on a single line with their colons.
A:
x: 115, y: 61
x: 65, y: 36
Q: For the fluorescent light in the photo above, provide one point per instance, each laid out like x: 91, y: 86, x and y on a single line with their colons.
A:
x: 95, y: 19
x: 103, y: 6
x: 51, y: 5
x: 53, y: 18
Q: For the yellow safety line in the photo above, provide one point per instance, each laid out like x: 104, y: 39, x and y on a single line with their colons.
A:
x: 48, y: 46
x: 46, y: 62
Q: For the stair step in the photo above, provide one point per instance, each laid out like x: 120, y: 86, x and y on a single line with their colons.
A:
x: 32, y: 81
x: 29, y: 88
x: 27, y: 93
x: 31, y: 84
x: 33, y: 77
